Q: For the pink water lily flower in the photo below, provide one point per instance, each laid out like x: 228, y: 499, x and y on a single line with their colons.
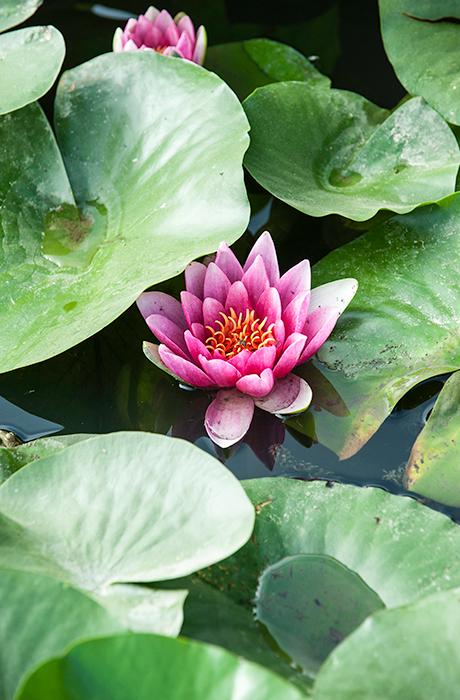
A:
x: 157, y: 31
x: 241, y: 331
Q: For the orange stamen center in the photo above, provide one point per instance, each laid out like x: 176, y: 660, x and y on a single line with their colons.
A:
x: 237, y: 332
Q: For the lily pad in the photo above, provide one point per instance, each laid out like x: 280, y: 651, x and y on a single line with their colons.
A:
x: 409, y: 652
x: 13, y: 12
x: 142, y: 667
x: 400, y: 329
x: 247, y: 65
x: 421, y: 40
x: 434, y: 463
x: 41, y: 617
x: 374, y: 551
x: 31, y: 59
x: 153, y: 149
x: 121, y: 508
x: 334, y: 152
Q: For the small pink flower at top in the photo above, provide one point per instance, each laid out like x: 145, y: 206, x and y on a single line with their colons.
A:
x: 157, y: 31
x: 241, y: 330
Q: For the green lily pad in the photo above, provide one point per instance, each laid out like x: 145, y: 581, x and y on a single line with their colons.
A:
x: 247, y: 65
x: 409, y: 652
x: 309, y: 603
x: 433, y: 469
x: 421, y: 40
x: 13, y: 12
x: 400, y: 329
x: 31, y: 59
x: 142, y: 667
x: 14, y: 458
x: 41, y: 617
x: 121, y: 508
x: 374, y: 551
x: 153, y: 150
x: 334, y: 152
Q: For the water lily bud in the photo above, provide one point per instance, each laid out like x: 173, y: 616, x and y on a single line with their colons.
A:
x: 157, y: 31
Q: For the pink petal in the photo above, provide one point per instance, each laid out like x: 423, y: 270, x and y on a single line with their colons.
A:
x: 184, y: 369
x: 216, y: 283
x: 152, y: 354
x: 192, y: 307
x: 237, y: 298
x: 290, y: 357
x: 195, y: 347
x: 168, y: 333
x: 265, y: 247
x: 185, y: 46
x: 185, y: 24
x: 211, y: 312
x: 199, y: 331
x: 163, y: 20
x: 260, y: 360
x: 228, y: 417
x: 279, y: 334
x: 150, y: 303
x: 294, y: 281
x: 255, y: 385
x: 255, y: 280
x: 327, y: 303
x: 117, y: 43
x: 295, y: 314
x: 195, y: 273
x: 151, y: 13
x: 290, y: 394
x: 221, y: 372
x: 228, y: 263
x: 143, y: 29
x: 269, y: 306
x: 130, y: 46
x: 201, y: 43
x: 171, y: 34
x: 240, y: 360
x: 173, y: 51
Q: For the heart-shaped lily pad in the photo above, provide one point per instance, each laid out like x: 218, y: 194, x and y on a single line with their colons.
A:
x: 401, y: 327
x: 421, y: 40
x: 153, y: 150
x: 434, y: 464
x: 31, y: 59
x: 247, y: 65
x: 334, y: 152
x: 142, y: 667
x: 121, y: 508
x: 409, y: 652
x: 13, y: 12
x: 370, y: 543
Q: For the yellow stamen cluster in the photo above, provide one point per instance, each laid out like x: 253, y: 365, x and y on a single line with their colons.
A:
x: 237, y: 332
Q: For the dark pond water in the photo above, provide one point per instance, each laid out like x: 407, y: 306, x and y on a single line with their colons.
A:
x: 106, y: 384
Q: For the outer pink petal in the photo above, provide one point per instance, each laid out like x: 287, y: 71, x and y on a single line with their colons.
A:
x: 168, y: 333
x: 290, y: 357
x: 327, y: 303
x: 228, y: 417
x: 211, y: 312
x: 196, y: 347
x: 186, y: 370
x: 295, y: 314
x: 290, y: 394
x: 228, y: 263
x: 279, y: 333
x: 294, y: 281
x: 255, y: 385
x: 255, y: 280
x: 185, y: 24
x: 151, y: 13
x: 192, y: 307
x: 260, y: 360
x: 221, y: 372
x: 195, y: 273
x: 163, y: 20
x: 265, y: 247
x: 240, y: 360
x: 200, y: 46
x: 171, y: 34
x: 159, y: 303
x: 237, y: 298
x: 185, y: 46
x: 216, y: 283
x: 152, y: 354
x: 269, y: 305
